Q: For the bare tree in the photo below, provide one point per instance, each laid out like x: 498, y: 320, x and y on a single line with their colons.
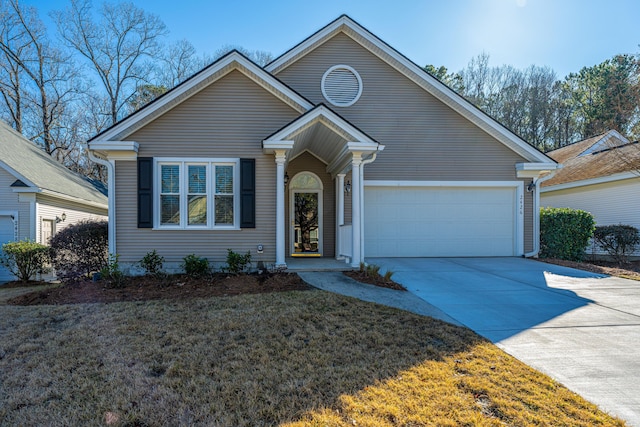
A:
x: 179, y: 61
x: 260, y: 57
x: 41, y: 77
x: 117, y: 47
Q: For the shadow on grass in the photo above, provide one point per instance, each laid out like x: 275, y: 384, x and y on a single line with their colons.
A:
x: 248, y: 360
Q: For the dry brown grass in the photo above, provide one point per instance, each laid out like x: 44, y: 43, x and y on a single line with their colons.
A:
x: 303, y: 358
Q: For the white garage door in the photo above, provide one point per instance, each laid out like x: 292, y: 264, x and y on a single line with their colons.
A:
x: 6, y: 235
x: 440, y: 221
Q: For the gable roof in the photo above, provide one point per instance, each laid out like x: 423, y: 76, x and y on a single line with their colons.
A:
x: 35, y: 169
x: 608, y: 139
x: 606, y: 155
x: 234, y: 60
x: 415, y: 73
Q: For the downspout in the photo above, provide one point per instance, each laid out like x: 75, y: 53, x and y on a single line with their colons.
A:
x: 111, y: 193
x: 364, y: 162
x: 536, y: 214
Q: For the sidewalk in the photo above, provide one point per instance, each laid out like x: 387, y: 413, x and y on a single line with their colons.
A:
x: 335, y: 281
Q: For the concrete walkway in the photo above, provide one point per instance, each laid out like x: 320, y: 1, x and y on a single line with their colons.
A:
x: 336, y: 282
x: 580, y: 328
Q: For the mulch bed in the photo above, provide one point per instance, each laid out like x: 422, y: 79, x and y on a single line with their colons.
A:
x: 175, y: 287
x: 362, y: 276
x: 628, y: 271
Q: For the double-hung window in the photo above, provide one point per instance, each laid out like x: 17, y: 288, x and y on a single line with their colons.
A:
x: 199, y: 193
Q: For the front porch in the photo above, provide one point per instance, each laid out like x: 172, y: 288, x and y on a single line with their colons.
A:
x: 315, y: 196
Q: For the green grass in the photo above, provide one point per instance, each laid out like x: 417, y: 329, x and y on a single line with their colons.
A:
x: 295, y: 358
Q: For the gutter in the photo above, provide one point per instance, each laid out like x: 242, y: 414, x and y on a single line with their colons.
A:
x: 365, y: 162
x: 536, y: 214
x: 111, y: 186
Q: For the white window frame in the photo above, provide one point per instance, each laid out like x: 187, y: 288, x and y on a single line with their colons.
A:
x: 184, y: 163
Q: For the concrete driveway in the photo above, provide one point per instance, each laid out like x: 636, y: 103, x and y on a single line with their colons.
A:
x: 582, y: 329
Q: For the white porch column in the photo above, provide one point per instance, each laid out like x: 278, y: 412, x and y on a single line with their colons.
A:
x: 280, y: 225
x: 339, y: 210
x: 355, y: 208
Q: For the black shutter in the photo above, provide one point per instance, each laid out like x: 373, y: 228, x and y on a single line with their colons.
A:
x: 247, y: 193
x: 145, y: 192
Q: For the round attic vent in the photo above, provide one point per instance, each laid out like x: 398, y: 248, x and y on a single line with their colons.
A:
x: 341, y: 85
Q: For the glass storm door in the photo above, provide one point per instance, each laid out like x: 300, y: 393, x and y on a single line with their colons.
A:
x: 306, y: 215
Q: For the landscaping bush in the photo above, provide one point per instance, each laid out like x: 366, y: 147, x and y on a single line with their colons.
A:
x: 619, y: 241
x: 112, y: 273
x: 237, y: 263
x: 565, y: 233
x: 152, y: 263
x: 25, y: 259
x: 195, y: 266
x: 80, y: 249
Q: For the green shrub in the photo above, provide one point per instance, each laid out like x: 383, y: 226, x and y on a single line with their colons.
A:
x: 195, y: 266
x: 237, y: 263
x: 80, y: 249
x: 112, y: 272
x: 565, y: 233
x: 25, y: 259
x: 152, y: 263
x: 619, y: 241
x: 387, y: 276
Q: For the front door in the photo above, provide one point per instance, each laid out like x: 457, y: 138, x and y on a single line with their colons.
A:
x: 306, y: 215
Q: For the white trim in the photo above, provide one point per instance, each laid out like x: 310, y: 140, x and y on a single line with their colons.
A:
x: 292, y: 227
x: 116, y: 150
x: 323, y: 88
x: 234, y: 61
x: 392, y: 183
x: 320, y: 192
x: 310, y: 118
x: 591, y: 181
x: 534, y: 170
x: 415, y: 74
x: 518, y: 186
x: 210, y: 164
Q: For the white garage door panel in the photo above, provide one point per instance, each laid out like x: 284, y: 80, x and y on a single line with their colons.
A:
x: 440, y: 221
x: 6, y: 235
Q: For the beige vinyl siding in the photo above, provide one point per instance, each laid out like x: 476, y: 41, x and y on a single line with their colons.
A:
x: 610, y: 203
x: 9, y: 202
x: 309, y: 163
x: 424, y: 139
x: 48, y: 208
x: 229, y: 119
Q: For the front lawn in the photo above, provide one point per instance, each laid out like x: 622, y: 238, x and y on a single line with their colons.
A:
x: 299, y: 358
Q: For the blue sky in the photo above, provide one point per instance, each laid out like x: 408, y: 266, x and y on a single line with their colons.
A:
x: 565, y: 35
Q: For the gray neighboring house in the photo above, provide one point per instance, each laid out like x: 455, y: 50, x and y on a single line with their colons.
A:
x: 341, y: 147
x: 39, y: 196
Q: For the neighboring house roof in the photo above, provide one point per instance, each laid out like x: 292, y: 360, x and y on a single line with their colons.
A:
x: 606, y: 155
x: 33, y: 168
